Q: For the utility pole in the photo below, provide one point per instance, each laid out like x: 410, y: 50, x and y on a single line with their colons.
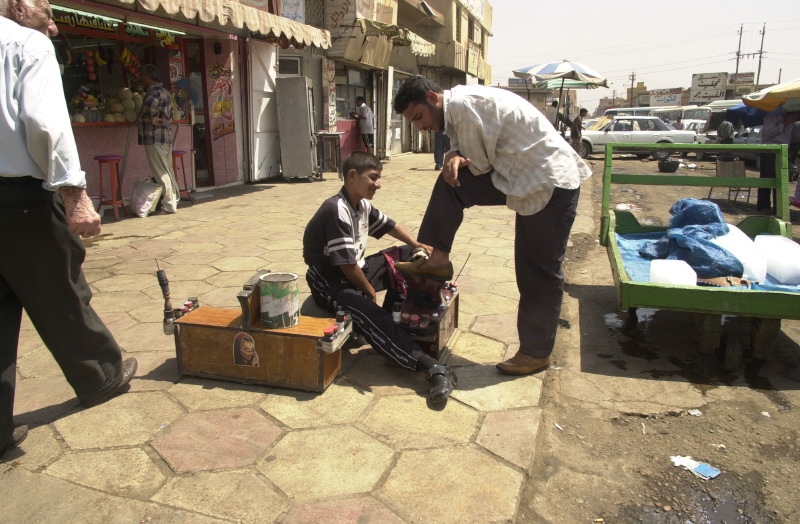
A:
x: 760, y: 54
x: 780, y: 71
x: 632, y: 77
x: 738, y: 54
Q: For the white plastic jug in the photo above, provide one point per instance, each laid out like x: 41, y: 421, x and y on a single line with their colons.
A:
x: 742, y: 247
x: 783, y: 257
x: 676, y: 272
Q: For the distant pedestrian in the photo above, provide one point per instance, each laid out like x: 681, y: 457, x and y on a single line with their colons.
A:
x: 366, y: 123
x: 155, y: 134
x: 778, y: 128
x: 678, y: 125
x: 43, y: 209
x: 440, y: 147
x: 576, y: 130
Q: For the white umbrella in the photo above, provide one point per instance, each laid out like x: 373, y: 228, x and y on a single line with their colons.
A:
x: 570, y: 75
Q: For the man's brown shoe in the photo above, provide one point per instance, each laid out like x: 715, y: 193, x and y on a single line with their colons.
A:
x: 522, y: 364
x: 421, y: 268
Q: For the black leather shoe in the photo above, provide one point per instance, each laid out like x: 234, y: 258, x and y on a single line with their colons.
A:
x: 442, y: 380
x: 20, y: 433
x: 119, y: 385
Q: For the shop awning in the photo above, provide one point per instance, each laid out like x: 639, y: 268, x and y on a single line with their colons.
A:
x: 398, y: 36
x: 232, y: 12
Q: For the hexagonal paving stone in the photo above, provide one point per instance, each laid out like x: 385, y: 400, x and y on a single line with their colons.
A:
x: 474, y: 349
x: 340, y: 404
x: 487, y: 304
x: 407, y: 422
x: 360, y: 510
x: 127, y: 420
x: 453, y: 485
x: 497, y: 327
x: 230, y: 438
x: 132, y: 282
x: 199, y: 394
x: 486, y: 389
x: 321, y: 463
x: 511, y: 434
x: 125, y: 472
x: 239, y: 264
x: 237, y: 495
x: 375, y: 374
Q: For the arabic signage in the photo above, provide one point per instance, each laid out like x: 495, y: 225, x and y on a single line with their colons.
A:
x: 81, y: 21
x: 666, y: 97
x: 706, y: 81
x: 743, y: 79
x: 703, y: 96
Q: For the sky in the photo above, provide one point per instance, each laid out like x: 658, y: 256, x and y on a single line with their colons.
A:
x: 662, y: 44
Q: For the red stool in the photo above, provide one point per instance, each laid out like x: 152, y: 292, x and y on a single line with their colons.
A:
x: 113, y: 163
x: 178, y: 155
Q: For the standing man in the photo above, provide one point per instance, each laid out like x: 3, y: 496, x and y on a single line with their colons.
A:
x: 576, y: 130
x: 43, y: 209
x: 503, y: 152
x: 678, y: 124
x: 366, y: 123
x: 778, y: 128
x: 155, y: 134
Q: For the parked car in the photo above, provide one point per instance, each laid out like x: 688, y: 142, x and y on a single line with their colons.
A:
x: 694, y: 125
x: 634, y: 130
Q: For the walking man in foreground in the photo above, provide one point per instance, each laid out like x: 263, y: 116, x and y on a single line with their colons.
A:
x: 43, y: 209
x: 503, y: 152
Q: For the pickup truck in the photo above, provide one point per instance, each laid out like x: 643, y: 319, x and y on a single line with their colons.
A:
x: 634, y: 130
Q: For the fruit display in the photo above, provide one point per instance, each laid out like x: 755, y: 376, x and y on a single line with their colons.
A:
x: 89, y: 106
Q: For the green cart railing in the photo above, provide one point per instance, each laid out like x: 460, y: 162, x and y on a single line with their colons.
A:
x: 706, y: 305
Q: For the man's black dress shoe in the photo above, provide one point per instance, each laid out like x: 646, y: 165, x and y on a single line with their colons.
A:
x: 20, y: 433
x: 119, y: 385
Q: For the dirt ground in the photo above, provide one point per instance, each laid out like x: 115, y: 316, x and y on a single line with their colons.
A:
x: 620, y: 405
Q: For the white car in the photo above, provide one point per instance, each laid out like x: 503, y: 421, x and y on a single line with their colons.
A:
x: 634, y: 130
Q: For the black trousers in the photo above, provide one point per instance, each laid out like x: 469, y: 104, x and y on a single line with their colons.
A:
x: 40, y: 271
x: 540, y: 245
x: 767, y: 170
x: 332, y: 291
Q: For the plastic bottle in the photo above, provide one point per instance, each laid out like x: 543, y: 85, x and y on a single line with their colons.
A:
x: 396, y: 317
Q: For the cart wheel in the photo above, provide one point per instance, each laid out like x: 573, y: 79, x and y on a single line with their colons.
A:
x: 732, y: 352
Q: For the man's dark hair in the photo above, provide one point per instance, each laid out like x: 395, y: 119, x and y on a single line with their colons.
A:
x: 414, y: 91
x: 361, y: 161
x: 361, y: 99
x: 584, y: 110
x: 151, y: 71
x: 554, y: 103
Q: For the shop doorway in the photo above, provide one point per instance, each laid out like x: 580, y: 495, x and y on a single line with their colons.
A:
x: 195, y: 63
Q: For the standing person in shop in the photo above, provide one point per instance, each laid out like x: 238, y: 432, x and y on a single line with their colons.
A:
x: 155, y: 134
x: 366, y: 123
x: 502, y: 152
x: 576, y: 130
x: 43, y: 211
x: 779, y: 128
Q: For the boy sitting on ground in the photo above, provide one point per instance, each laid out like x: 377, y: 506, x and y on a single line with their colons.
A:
x: 342, y: 278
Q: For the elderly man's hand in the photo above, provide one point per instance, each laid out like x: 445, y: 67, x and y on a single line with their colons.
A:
x: 82, y: 219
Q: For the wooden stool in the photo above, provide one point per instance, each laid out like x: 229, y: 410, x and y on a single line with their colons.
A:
x: 178, y: 155
x: 113, y: 163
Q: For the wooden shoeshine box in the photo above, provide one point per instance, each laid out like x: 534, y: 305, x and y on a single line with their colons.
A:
x: 209, y: 343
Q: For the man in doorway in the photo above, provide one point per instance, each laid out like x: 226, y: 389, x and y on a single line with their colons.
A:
x: 576, y: 130
x: 502, y: 152
x: 366, y: 123
x: 43, y: 211
x: 155, y: 134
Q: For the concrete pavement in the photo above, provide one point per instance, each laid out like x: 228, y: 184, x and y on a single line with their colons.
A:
x: 183, y: 449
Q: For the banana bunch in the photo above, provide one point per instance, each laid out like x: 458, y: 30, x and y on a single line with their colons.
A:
x: 125, y: 57
x: 68, y: 55
x: 98, y: 58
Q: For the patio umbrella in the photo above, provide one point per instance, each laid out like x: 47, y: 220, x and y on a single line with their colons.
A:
x: 748, y: 116
x: 785, y: 96
x: 562, y: 74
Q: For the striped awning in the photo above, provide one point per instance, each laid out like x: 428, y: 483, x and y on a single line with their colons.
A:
x: 239, y: 15
x: 399, y: 36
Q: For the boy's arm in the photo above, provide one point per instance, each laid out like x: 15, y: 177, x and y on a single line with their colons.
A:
x: 356, y: 276
x: 405, y: 237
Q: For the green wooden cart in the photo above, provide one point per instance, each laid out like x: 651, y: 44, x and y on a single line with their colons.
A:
x: 706, y: 305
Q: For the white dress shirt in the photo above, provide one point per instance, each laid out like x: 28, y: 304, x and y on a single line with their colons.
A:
x: 504, y: 135
x: 35, y: 132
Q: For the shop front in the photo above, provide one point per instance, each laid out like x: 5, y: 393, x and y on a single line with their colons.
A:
x: 204, y: 60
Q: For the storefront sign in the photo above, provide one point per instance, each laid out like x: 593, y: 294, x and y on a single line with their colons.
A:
x: 74, y: 20
x: 707, y: 81
x: 136, y: 31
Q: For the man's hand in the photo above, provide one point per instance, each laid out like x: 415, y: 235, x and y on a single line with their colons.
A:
x: 453, y: 161
x: 82, y: 219
x: 356, y: 276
